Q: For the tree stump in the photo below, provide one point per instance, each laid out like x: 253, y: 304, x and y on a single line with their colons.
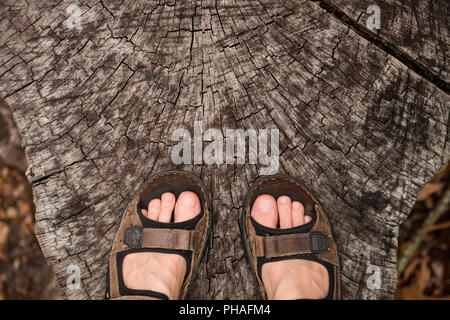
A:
x: 11, y: 152
x: 97, y: 90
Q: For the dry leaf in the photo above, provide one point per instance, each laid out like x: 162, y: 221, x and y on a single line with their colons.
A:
x: 429, y: 189
x: 435, y: 227
x: 4, y: 231
x: 429, y: 203
x: 415, y: 290
x: 424, y: 274
x: 410, y: 269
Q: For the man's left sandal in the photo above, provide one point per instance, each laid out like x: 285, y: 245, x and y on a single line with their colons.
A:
x: 312, y: 241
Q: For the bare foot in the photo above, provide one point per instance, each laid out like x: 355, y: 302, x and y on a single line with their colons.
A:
x: 161, y: 272
x: 292, y: 278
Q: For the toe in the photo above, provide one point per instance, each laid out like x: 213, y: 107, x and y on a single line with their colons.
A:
x: 284, y: 212
x: 307, y: 218
x: 187, y: 207
x: 154, y: 208
x: 167, y: 205
x: 265, y: 211
x: 298, y: 212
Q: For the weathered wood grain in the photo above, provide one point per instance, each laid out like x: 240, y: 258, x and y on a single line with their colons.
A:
x: 96, y: 108
x: 418, y: 28
x: 11, y: 152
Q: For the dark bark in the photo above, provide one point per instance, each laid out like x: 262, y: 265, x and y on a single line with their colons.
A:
x: 11, y: 152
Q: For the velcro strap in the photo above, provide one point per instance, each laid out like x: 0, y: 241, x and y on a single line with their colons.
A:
x: 176, y: 239
x: 290, y: 244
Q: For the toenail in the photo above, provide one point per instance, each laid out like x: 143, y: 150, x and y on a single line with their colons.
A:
x: 155, y: 204
x: 168, y: 197
x: 265, y: 205
x: 296, y: 205
x: 283, y: 200
x: 188, y: 202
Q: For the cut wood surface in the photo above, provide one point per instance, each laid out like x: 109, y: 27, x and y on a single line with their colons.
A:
x: 418, y: 28
x: 11, y: 152
x: 96, y: 108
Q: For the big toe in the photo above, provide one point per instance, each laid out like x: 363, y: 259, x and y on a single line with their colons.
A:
x: 265, y: 211
x: 187, y: 206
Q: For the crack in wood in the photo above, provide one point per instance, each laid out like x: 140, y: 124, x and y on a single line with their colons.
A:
x: 385, y: 45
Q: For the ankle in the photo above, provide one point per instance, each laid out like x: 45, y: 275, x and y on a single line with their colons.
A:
x: 299, y: 279
x: 170, y: 276
x: 163, y: 273
x: 286, y: 290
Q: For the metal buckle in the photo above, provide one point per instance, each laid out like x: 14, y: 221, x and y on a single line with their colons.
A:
x: 318, y: 242
x: 132, y: 237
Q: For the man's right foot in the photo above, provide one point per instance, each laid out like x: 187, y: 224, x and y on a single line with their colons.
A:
x: 161, y: 272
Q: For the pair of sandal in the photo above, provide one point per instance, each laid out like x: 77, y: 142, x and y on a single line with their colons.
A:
x: 311, y: 241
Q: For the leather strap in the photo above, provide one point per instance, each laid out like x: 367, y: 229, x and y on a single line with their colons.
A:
x: 113, y: 277
x: 175, y: 239
x: 290, y: 244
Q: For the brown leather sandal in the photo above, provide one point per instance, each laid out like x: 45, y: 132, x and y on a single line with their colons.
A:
x: 137, y: 233
x: 311, y: 241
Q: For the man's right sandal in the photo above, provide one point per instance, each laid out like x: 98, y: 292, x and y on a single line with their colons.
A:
x: 312, y: 241
x: 137, y: 233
